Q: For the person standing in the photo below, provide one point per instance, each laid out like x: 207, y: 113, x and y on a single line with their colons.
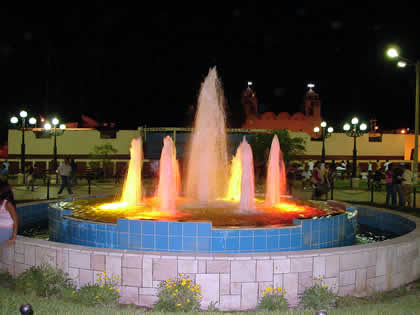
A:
x: 390, y: 194
x: 386, y: 165
x: 8, y: 215
x: 310, y: 166
x: 64, y: 170
x: 29, y: 176
x: 396, y: 185
x: 316, y: 181
x: 407, y: 185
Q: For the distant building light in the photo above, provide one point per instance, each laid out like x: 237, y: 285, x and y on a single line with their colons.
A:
x: 249, y: 83
x: 311, y: 85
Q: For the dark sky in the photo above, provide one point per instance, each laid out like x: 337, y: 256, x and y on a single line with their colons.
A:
x: 143, y: 65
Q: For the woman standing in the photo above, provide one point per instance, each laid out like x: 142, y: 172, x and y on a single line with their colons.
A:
x: 8, y: 215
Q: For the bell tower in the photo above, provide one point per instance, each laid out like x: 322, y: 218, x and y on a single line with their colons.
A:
x: 249, y: 100
x: 312, y: 103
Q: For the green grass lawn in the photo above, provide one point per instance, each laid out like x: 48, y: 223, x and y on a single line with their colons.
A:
x: 405, y: 300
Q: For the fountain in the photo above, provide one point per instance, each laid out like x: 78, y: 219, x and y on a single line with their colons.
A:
x: 213, y: 204
x: 147, y: 239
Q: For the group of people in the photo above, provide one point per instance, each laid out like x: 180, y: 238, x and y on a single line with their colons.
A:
x: 399, y: 185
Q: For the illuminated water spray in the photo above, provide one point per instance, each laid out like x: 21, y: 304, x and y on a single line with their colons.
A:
x: 132, y: 191
x: 207, y: 170
x: 169, y: 179
x: 247, y: 201
x: 276, y: 176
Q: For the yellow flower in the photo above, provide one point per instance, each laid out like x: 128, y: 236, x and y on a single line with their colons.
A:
x: 174, y: 294
x: 263, y: 293
x: 118, y: 290
x: 101, y: 286
x: 116, y: 278
x: 178, y: 305
x: 269, y: 289
x: 180, y: 274
x: 325, y: 286
x: 176, y: 290
x: 110, y: 289
x: 44, y: 274
x: 188, y: 300
x: 74, y: 292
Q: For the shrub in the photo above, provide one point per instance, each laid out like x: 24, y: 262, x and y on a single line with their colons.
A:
x: 178, y: 295
x: 317, y: 297
x: 273, y: 300
x: 104, y: 292
x: 44, y: 280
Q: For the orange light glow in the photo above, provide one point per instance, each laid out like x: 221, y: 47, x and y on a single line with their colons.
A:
x: 403, y: 131
x: 234, y: 190
x: 289, y: 207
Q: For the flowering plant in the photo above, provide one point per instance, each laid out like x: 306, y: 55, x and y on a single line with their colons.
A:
x: 273, y: 300
x: 317, y: 297
x: 178, y: 294
x: 103, y: 292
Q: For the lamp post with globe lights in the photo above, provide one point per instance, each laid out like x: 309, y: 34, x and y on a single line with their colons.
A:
x: 52, y: 127
x: 402, y: 63
x: 15, y: 120
x: 355, y: 130
x: 323, y: 133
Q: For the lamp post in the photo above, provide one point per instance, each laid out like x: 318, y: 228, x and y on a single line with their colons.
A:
x: 14, y: 120
x: 355, y: 130
x: 403, y: 62
x: 325, y: 133
x: 53, y: 128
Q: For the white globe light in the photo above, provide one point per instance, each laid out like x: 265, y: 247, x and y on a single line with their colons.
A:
x: 355, y: 121
x: 346, y: 127
x: 316, y: 129
x: 401, y: 64
x: 14, y: 120
x: 392, y: 52
x: 32, y: 121
x: 323, y: 124
x: 62, y: 126
x: 55, y: 121
x: 363, y: 127
x: 23, y: 114
x: 330, y: 129
x: 47, y: 126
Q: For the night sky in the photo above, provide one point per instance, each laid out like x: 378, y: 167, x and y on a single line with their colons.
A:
x: 143, y: 65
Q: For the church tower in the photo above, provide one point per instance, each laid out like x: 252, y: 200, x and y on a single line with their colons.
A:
x: 249, y: 101
x: 312, y: 103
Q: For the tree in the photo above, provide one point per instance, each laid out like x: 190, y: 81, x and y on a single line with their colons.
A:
x: 291, y: 147
x: 102, y: 153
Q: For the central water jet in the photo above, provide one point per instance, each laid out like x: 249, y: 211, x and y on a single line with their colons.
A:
x: 207, y: 170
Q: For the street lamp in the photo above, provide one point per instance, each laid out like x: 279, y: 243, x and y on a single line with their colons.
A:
x: 403, y: 62
x: 325, y: 133
x: 53, y: 128
x: 32, y: 121
x: 355, y: 130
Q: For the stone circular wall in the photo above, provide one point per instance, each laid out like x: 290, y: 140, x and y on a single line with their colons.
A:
x: 235, y: 281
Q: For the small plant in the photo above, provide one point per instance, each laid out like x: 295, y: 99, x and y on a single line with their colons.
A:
x: 212, y: 307
x: 178, y: 295
x: 6, y: 279
x: 44, y: 280
x: 104, y: 292
x: 273, y: 300
x: 317, y: 297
